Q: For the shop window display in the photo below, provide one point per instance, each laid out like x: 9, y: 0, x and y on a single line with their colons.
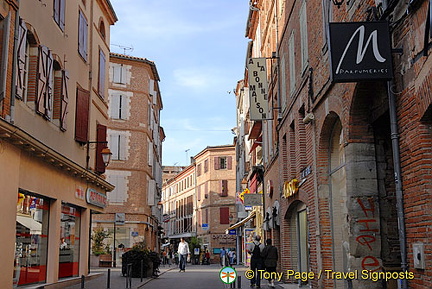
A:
x: 69, y: 241
x: 31, y: 239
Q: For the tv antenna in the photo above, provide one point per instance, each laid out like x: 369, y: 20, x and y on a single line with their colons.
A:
x: 125, y: 48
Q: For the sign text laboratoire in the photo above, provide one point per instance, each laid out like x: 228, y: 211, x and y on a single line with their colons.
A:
x: 258, y: 88
x: 360, y: 51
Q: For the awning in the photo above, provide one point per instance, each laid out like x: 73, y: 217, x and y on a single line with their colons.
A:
x: 257, y: 142
x: 255, y: 130
x: 184, y: 235
x: 28, y: 222
x: 242, y: 222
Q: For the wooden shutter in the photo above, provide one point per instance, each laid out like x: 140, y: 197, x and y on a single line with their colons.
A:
x: 82, y: 115
x: 64, y: 101
x: 216, y: 163
x: 115, y: 106
x: 229, y: 161
x: 224, y: 188
x: 82, y: 35
x: 21, y: 60
x: 44, y: 82
x: 102, y: 65
x: 199, y: 193
x: 101, y: 134
x: 224, y: 215
x: 62, y: 14
x: 114, y: 146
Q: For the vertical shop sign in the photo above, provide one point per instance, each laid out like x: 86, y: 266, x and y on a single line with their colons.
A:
x: 258, y: 88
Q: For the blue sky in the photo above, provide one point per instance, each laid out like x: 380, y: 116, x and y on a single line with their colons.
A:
x: 199, y: 48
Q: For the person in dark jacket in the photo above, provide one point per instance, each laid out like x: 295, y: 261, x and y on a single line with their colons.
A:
x: 270, y: 257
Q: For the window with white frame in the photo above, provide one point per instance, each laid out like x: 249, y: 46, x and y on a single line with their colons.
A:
x: 82, y: 35
x: 118, y: 73
x: 118, y: 105
x: 303, y: 37
x: 118, y: 144
x: 120, y: 181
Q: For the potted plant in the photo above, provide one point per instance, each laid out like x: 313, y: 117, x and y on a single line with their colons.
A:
x: 100, y: 251
x: 140, y: 255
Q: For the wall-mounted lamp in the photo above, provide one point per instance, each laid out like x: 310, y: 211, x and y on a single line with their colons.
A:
x: 159, y: 205
x: 105, y: 152
x: 338, y: 3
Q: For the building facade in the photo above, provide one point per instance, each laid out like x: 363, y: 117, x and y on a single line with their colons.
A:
x: 345, y: 154
x: 53, y: 118
x: 199, y: 201
x: 135, y: 138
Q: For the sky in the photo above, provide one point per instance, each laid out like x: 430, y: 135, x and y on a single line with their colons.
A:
x: 199, y: 49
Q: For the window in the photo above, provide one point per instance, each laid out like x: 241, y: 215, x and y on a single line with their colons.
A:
x: 224, y: 215
x: 304, y: 36
x: 221, y: 163
x: 22, y: 61
x: 291, y: 55
x: 118, y: 106
x: 60, y: 96
x: 45, y: 82
x: 101, y: 79
x: 224, y: 188
x: 69, y: 241
x: 119, y: 73
x: 102, y: 29
x: 31, y: 241
x: 199, y: 170
x: 82, y: 115
x: 59, y: 13
x: 82, y: 35
x: 206, y: 166
x: 118, y: 145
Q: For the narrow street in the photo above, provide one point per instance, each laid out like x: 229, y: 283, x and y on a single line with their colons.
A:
x: 195, y: 277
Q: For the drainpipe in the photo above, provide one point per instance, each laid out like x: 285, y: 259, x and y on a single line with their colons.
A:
x: 398, y: 181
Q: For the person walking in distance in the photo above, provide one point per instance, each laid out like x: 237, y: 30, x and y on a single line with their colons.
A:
x: 255, y: 249
x: 270, y: 258
x: 222, y: 256
x: 183, y: 252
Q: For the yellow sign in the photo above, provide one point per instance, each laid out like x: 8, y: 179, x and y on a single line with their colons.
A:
x: 290, y: 188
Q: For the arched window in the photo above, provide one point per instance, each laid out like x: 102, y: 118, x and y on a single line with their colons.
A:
x: 102, y: 29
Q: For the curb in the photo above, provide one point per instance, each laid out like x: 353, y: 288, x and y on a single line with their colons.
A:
x: 150, y: 279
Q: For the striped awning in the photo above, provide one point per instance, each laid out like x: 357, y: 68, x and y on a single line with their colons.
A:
x: 242, y: 222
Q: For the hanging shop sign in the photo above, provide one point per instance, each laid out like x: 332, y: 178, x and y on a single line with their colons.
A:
x: 290, y: 188
x: 258, y: 88
x: 360, y: 51
x: 96, y: 198
x: 253, y: 199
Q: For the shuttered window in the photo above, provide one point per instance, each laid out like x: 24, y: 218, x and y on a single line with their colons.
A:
x: 221, y: 163
x: 22, y: 61
x: 59, y: 13
x: 82, y: 35
x: 82, y: 115
x: 64, y: 101
x: 118, y: 73
x: 118, y: 145
x: 101, y: 80
x: 45, y: 83
x: 224, y: 215
x: 224, y: 188
x: 101, y: 137
x: 118, y: 106
x: 60, y: 96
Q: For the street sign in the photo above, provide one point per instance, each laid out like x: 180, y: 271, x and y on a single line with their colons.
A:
x: 120, y: 218
x: 253, y: 199
x: 232, y: 232
x: 204, y: 226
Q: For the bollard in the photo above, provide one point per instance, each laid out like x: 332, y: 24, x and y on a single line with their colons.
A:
x: 82, y: 281
x: 129, y: 276
x: 142, y: 270
x: 239, y: 282
x: 109, y: 279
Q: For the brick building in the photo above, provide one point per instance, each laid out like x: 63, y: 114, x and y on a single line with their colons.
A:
x: 135, y: 138
x: 200, y: 200
x: 347, y: 162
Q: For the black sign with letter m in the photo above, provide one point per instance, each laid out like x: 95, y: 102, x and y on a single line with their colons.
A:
x: 360, y: 51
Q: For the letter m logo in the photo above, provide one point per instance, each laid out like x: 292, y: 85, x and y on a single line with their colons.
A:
x: 360, y: 51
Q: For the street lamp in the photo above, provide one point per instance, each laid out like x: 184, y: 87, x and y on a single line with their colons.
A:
x: 105, y: 152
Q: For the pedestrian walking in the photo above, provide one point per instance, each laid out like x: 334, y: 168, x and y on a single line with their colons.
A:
x: 222, y: 256
x: 184, y: 253
x: 270, y: 258
x: 255, y: 249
